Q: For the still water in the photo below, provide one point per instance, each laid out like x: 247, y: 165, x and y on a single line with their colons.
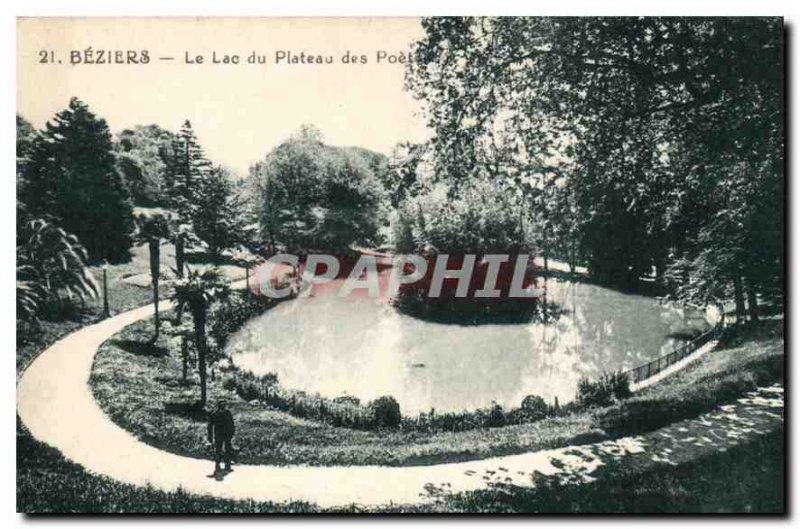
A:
x: 366, y: 348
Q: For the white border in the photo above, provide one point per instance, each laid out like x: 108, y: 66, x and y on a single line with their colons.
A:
x: 321, y: 8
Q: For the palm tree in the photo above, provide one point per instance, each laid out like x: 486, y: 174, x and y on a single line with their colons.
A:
x: 51, y: 267
x: 246, y: 259
x: 153, y: 228
x: 197, y: 292
x: 182, y: 235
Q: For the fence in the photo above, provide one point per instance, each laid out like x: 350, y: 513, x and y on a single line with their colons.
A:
x: 645, y: 371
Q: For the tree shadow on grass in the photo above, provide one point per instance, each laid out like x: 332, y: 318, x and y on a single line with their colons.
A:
x: 171, y: 381
x: 191, y: 410
x: 141, y: 348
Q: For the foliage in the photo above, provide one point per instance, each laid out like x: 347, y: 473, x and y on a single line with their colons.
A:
x: 535, y: 406
x: 604, y: 390
x: 186, y: 171
x: 145, y: 155
x: 229, y: 315
x: 481, y: 217
x: 219, y: 214
x: 386, y: 412
x: 197, y: 292
x: 152, y: 225
x: 639, y: 143
x: 71, y: 175
x: 314, y: 196
x: 51, y: 269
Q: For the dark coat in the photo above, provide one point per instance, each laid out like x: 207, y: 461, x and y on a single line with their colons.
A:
x: 220, y: 425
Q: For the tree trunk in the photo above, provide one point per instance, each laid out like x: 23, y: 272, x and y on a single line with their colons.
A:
x: 185, y: 358
x: 738, y: 295
x: 200, y: 342
x: 155, y: 261
x: 752, y: 303
x: 573, y: 258
x: 179, y: 256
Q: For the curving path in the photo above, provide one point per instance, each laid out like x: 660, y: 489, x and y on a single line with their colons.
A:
x: 56, y: 404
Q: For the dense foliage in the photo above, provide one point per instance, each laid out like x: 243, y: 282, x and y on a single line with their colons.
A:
x: 51, y: 270
x: 315, y: 196
x: 639, y: 143
x: 71, y: 176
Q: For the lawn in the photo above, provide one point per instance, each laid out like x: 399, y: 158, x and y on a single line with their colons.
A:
x: 745, y: 479
x: 140, y: 389
x: 748, y: 478
x: 127, y: 289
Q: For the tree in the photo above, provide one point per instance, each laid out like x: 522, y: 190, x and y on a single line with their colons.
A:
x: 182, y: 235
x: 71, y: 176
x: 188, y: 169
x: 51, y: 268
x: 243, y: 257
x: 314, y: 196
x: 154, y: 227
x: 197, y: 292
x: 648, y: 120
x: 219, y: 217
x: 144, y: 157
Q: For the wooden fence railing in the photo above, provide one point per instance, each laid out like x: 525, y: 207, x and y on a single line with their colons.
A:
x: 645, y: 371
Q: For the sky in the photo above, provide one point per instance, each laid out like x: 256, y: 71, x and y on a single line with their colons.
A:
x: 239, y: 111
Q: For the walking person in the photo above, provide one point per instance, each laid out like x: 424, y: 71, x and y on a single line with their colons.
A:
x: 220, y: 433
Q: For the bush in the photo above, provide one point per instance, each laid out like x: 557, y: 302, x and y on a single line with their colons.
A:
x: 386, y: 411
x: 496, y: 416
x: 603, y: 391
x: 534, y: 407
x: 231, y: 314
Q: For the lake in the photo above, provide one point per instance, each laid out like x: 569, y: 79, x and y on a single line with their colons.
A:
x: 365, y: 348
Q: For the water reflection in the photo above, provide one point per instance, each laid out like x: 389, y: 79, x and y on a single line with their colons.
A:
x: 366, y: 348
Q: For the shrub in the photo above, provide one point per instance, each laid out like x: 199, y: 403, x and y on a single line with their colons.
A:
x: 496, y: 416
x: 620, y: 385
x: 229, y: 383
x: 604, y: 390
x: 534, y: 407
x: 386, y: 411
x: 231, y: 314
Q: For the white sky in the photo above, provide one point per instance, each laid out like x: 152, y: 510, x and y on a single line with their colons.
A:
x: 238, y: 111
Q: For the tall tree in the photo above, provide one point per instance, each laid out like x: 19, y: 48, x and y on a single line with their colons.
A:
x: 313, y: 195
x: 649, y: 119
x: 189, y: 169
x: 144, y: 157
x: 197, y: 292
x: 154, y: 228
x: 219, y: 217
x: 71, y: 176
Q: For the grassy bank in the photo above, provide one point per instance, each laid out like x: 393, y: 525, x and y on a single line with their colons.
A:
x: 141, y: 390
x: 128, y: 288
x: 48, y: 483
x: 746, y: 479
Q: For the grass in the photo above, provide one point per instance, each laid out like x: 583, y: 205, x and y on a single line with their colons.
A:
x: 122, y: 296
x: 748, y: 478
x: 745, y: 479
x: 143, y: 393
x: 48, y: 483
